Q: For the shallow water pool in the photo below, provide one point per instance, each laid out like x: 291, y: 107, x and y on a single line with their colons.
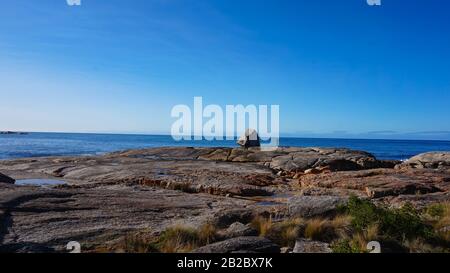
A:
x: 39, y: 182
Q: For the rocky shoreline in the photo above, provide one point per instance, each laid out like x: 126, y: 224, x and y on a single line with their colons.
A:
x: 104, y: 198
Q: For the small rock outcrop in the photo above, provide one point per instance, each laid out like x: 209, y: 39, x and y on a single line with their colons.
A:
x: 237, y: 230
x: 224, y: 219
x: 308, y: 246
x: 309, y: 206
x: 6, y: 179
x: 433, y: 160
x: 325, y: 159
x: 251, y: 244
x: 249, y: 139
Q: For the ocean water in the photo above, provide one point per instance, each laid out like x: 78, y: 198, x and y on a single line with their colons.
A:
x: 60, y: 144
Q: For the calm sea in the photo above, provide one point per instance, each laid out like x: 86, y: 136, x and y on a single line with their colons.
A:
x: 56, y: 144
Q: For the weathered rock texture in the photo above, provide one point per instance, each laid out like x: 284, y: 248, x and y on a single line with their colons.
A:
x: 53, y: 217
x: 381, y: 184
x: 433, y: 160
x: 308, y: 206
x: 308, y: 246
x: 106, y: 197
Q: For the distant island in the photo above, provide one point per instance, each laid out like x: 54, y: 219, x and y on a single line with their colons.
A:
x: 12, y: 133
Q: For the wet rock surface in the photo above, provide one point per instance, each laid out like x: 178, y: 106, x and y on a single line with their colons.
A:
x: 106, y: 197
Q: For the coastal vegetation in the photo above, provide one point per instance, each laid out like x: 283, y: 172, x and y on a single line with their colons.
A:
x: 348, y: 230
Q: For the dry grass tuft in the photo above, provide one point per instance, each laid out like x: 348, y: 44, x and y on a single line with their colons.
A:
x: 207, y: 234
x: 315, y: 228
x: 341, y: 225
x: 361, y: 239
x: 440, y: 214
x: 140, y: 242
x: 283, y: 233
x: 262, y: 225
x: 175, y: 239
x: 286, y: 232
x: 178, y: 239
x: 182, y: 239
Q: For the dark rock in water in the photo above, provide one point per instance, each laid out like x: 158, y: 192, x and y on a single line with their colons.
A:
x: 6, y: 179
x: 249, y: 139
x: 238, y: 230
x: 241, y: 245
x: 433, y: 160
x: 12, y: 133
x: 308, y: 206
x: 308, y: 246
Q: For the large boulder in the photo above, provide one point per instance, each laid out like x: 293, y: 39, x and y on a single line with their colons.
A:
x: 432, y: 160
x: 240, y: 245
x: 308, y: 246
x: 309, y: 206
x: 249, y: 139
x: 6, y: 179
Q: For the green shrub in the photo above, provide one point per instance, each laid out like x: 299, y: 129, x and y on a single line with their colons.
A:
x: 436, y: 210
x: 344, y: 246
x: 404, y: 223
x: 400, y: 224
x: 363, y: 213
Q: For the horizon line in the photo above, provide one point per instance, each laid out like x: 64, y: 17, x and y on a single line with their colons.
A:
x: 284, y: 135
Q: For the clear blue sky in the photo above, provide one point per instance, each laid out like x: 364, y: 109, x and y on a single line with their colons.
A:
x: 336, y: 68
